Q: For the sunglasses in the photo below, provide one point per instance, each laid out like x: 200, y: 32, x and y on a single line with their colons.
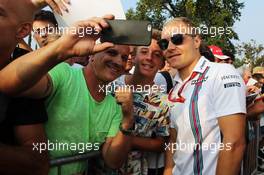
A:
x: 176, y: 39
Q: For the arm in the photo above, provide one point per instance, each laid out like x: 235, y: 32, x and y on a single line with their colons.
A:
x: 23, y: 160
x: 115, y: 150
x: 148, y: 144
x: 27, y: 70
x: 233, y: 130
x: 12, y: 166
x: 41, y: 89
x: 169, y: 163
x: 27, y: 136
x: 255, y: 110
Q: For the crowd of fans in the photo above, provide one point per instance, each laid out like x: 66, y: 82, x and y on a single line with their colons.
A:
x: 177, y: 106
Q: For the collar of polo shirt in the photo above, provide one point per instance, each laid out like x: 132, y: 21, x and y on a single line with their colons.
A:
x: 199, y: 67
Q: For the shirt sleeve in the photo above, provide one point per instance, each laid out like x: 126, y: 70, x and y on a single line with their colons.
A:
x: 229, y: 92
x: 160, y: 80
x: 115, y: 122
x: 23, y: 111
x: 162, y: 129
x: 59, y: 75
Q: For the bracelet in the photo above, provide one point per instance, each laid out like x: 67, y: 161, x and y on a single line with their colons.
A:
x: 126, y: 131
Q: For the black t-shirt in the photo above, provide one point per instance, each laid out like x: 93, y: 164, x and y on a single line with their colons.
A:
x: 4, y: 100
x: 21, y: 111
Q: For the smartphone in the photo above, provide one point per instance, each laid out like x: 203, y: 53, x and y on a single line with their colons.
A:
x: 128, y: 32
x: 251, y: 98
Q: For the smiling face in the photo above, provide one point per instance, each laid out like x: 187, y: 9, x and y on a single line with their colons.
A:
x: 183, y: 55
x: 149, y: 59
x: 110, y: 64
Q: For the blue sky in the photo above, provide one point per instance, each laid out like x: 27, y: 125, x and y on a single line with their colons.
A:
x: 250, y: 26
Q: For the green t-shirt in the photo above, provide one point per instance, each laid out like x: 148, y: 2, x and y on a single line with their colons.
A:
x: 75, y: 118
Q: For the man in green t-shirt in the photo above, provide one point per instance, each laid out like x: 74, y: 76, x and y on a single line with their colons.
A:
x: 81, y: 116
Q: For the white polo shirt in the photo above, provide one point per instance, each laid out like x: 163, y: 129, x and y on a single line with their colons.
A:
x: 217, y: 90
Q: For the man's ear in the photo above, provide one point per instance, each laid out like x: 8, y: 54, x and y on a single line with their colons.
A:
x: 91, y: 59
x: 24, y: 30
x: 197, y: 41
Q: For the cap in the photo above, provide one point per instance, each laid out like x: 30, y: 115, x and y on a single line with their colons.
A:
x: 217, y: 51
x: 258, y: 69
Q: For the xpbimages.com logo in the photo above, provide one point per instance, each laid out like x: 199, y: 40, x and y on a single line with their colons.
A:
x: 148, y: 89
x: 59, y: 146
x: 80, y: 31
x: 190, y: 147
x: 200, y: 30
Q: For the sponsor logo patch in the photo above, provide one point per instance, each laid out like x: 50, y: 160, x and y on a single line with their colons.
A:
x: 199, y: 81
x: 233, y: 84
x: 225, y: 77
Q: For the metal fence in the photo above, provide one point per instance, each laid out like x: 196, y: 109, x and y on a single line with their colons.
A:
x: 250, y: 162
x: 249, y: 166
x: 76, y: 158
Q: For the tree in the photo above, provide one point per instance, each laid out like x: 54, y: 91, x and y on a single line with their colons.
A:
x: 251, y: 53
x: 210, y: 14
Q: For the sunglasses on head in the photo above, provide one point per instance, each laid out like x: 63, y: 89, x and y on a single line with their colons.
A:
x: 176, y: 39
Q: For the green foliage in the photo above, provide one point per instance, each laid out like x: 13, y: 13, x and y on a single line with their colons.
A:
x: 251, y: 53
x: 208, y: 13
x: 238, y: 63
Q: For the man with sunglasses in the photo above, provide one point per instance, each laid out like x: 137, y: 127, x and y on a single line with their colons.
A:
x: 208, y: 98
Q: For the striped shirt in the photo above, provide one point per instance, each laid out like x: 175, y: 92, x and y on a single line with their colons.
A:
x: 214, y: 91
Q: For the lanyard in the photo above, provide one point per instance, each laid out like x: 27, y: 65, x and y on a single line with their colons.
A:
x: 180, y: 98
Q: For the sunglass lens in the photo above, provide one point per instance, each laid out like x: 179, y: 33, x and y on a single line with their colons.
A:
x: 177, y: 39
x: 163, y: 44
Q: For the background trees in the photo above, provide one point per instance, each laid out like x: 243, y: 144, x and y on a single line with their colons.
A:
x: 208, y: 14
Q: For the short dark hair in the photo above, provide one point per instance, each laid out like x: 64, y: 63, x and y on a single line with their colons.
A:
x: 45, y: 15
x: 156, y: 35
x: 257, y: 76
x: 230, y: 54
x: 206, y: 52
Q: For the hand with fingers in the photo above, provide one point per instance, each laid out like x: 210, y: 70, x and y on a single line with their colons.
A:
x: 252, y: 89
x: 73, y: 44
x: 56, y: 5
x: 124, y: 97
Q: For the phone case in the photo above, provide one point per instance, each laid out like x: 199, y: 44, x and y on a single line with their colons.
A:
x: 128, y: 32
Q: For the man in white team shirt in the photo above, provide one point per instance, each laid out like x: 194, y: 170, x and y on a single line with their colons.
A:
x: 207, y: 100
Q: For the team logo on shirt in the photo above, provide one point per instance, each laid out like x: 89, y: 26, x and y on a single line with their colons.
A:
x: 232, y: 84
x: 225, y: 77
x: 199, y: 81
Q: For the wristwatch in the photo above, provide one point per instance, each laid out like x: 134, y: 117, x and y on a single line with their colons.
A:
x: 126, y: 131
